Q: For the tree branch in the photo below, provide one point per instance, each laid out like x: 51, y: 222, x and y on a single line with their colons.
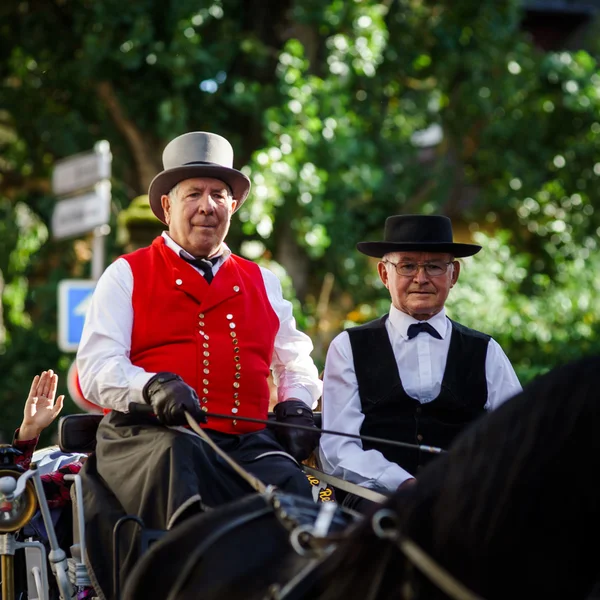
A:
x: 146, y: 162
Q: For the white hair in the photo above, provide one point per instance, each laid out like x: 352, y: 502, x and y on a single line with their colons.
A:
x: 173, y: 193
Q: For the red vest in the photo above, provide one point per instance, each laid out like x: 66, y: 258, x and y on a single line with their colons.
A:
x: 219, y: 338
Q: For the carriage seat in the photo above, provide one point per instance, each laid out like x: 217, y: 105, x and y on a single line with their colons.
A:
x: 77, y: 433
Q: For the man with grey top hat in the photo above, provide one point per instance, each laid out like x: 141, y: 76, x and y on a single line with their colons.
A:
x: 413, y: 375
x: 186, y: 325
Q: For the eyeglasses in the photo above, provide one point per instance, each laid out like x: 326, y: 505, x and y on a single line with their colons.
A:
x: 432, y: 269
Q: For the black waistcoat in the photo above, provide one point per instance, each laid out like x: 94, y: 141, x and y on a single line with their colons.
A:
x: 392, y: 414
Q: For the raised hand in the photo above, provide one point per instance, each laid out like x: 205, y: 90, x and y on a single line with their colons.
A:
x: 41, y: 408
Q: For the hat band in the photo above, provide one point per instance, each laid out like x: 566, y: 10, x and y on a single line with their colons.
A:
x: 201, y: 163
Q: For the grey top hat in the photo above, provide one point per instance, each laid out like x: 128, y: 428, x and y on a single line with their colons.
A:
x: 417, y: 233
x: 197, y: 154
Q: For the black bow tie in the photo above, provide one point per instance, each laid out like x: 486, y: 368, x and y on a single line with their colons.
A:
x: 204, y: 264
x: 416, y: 328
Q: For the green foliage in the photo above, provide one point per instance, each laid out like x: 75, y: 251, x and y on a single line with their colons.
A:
x: 555, y: 321
x: 329, y: 105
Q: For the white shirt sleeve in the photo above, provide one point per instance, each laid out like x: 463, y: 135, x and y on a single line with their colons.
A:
x: 502, y: 381
x: 106, y: 374
x: 294, y: 372
x: 341, y: 456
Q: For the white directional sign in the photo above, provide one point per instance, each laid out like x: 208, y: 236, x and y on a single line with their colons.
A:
x: 82, y: 171
x: 74, y: 298
x: 81, y: 214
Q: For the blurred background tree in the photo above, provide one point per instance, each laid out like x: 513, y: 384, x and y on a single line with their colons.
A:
x: 342, y: 113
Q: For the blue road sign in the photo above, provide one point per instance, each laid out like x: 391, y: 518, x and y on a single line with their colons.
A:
x: 74, y: 298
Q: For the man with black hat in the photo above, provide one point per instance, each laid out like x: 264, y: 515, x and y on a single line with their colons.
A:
x: 413, y: 375
x: 184, y: 325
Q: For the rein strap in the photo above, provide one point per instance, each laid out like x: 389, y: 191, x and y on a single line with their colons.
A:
x: 256, y: 484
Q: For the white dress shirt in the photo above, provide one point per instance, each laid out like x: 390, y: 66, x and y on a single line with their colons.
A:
x: 109, y: 379
x: 423, y: 362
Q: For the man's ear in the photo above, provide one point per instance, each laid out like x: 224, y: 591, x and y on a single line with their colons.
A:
x: 165, y: 202
x: 383, y: 273
x: 455, y: 272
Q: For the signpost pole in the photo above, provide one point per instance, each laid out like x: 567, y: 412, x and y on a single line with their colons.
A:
x: 103, y: 188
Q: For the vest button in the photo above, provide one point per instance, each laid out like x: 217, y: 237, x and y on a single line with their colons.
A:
x: 418, y: 410
x: 420, y: 437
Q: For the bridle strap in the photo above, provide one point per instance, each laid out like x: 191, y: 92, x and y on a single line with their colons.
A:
x: 414, y: 553
x: 346, y: 486
x: 429, y: 567
x: 435, y: 572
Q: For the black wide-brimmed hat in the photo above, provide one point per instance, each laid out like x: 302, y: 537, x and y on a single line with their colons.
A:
x: 417, y: 233
x: 197, y: 154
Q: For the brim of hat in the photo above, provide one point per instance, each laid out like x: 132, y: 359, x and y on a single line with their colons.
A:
x: 380, y: 249
x: 165, y: 181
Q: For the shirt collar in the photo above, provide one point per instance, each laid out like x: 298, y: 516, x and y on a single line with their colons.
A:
x: 223, y: 253
x: 401, y: 321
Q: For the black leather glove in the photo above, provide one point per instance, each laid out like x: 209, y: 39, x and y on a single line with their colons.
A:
x: 297, y: 442
x: 170, y: 397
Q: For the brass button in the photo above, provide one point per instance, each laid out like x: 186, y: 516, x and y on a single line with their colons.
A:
x: 205, y: 363
x: 201, y: 323
x: 238, y: 366
x: 236, y: 358
x: 232, y: 325
x: 201, y: 316
x: 205, y: 390
x: 236, y: 395
x: 236, y: 350
x: 205, y: 345
x: 236, y: 402
x: 201, y: 332
x: 236, y: 288
x: 205, y: 381
x: 205, y: 399
x: 178, y: 281
x: 234, y: 422
x: 236, y: 384
x: 235, y: 341
x: 233, y: 334
x: 206, y: 371
x: 234, y: 410
x: 230, y: 317
x: 205, y: 408
x: 206, y: 353
x: 237, y: 375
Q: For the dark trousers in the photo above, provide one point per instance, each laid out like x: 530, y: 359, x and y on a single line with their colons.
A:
x: 157, y: 472
x: 163, y: 476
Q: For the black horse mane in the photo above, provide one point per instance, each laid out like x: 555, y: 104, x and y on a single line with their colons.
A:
x: 511, y: 510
